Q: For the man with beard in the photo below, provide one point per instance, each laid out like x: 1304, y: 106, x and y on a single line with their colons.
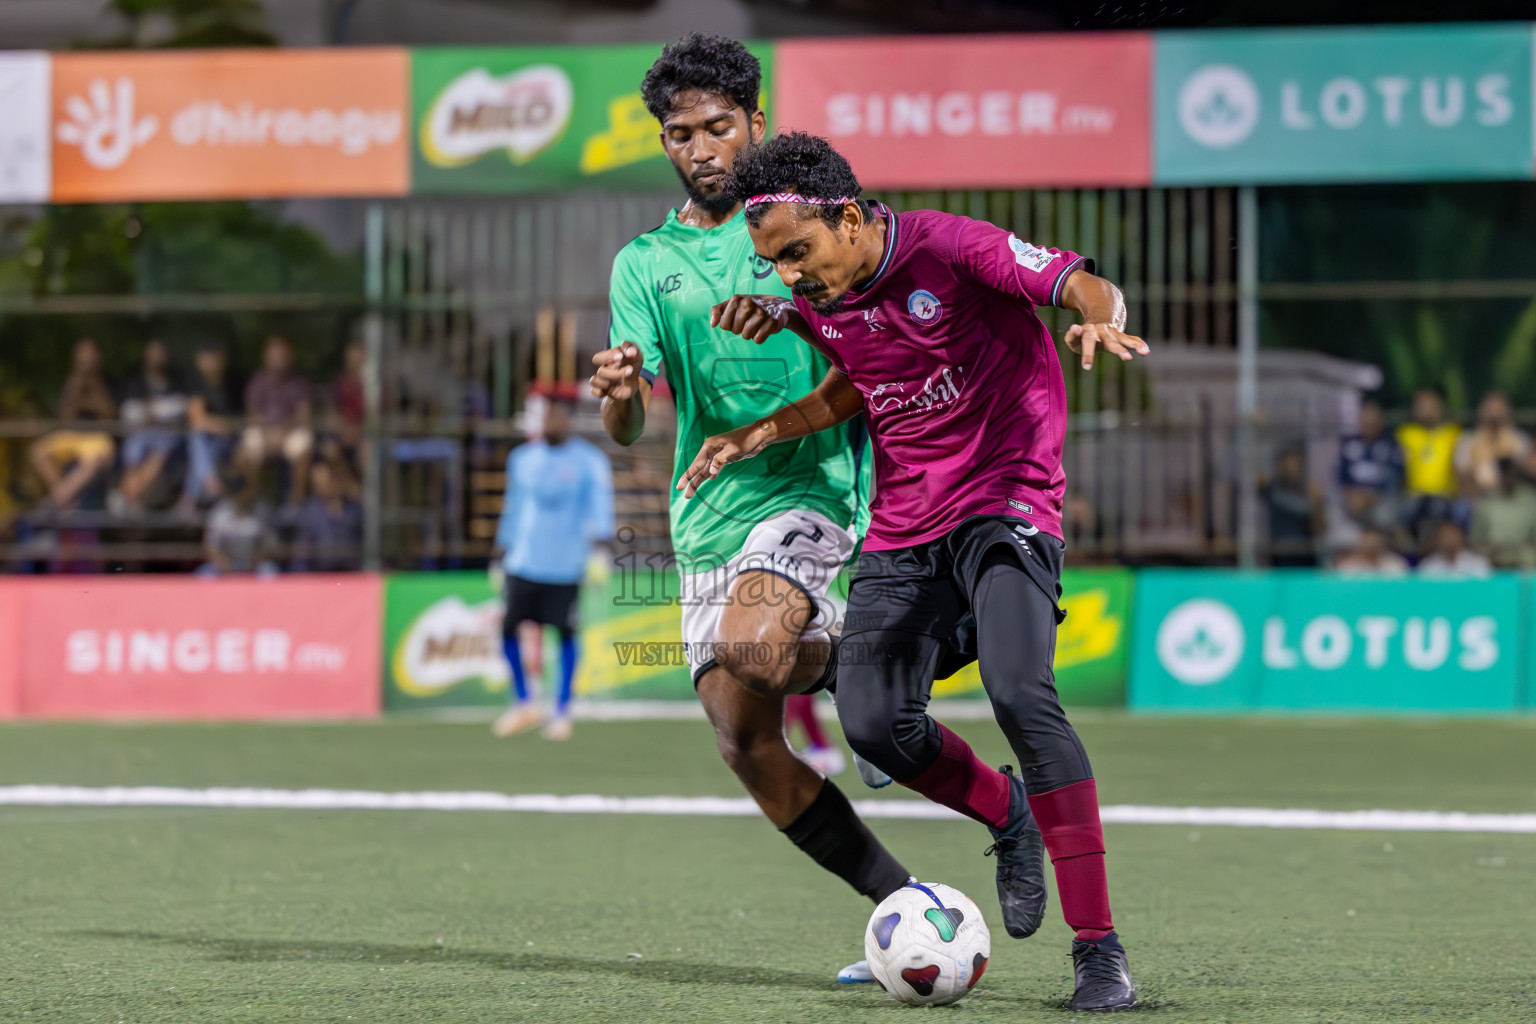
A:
x: 758, y: 556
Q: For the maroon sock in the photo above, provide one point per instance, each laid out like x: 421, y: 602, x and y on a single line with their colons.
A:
x: 802, y: 708
x: 961, y: 781
x: 1069, y: 822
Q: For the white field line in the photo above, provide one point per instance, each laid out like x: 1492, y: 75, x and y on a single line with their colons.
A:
x: 717, y: 806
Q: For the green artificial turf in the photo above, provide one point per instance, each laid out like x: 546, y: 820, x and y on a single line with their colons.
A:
x: 158, y: 914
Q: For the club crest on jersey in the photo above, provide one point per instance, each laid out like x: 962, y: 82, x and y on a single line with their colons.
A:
x: 924, y: 306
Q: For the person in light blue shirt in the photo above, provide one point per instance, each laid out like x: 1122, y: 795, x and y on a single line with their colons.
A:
x: 558, y: 504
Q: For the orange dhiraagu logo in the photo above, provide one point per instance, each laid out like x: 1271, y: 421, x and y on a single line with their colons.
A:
x: 215, y: 125
x: 1089, y: 633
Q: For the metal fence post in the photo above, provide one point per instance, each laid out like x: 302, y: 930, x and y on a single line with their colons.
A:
x: 1247, y: 376
x: 373, y: 388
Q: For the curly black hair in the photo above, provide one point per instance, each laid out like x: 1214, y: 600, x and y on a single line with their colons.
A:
x: 794, y: 162
x: 711, y: 64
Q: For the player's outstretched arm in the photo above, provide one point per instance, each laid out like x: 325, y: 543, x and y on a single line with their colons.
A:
x: 1103, y: 310
x: 759, y: 317
x: 834, y: 401
x: 624, y: 392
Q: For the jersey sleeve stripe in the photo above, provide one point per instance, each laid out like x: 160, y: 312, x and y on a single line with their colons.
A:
x: 1061, y: 278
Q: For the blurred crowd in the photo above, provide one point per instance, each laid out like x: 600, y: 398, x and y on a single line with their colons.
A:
x: 268, y: 464
x: 1431, y: 497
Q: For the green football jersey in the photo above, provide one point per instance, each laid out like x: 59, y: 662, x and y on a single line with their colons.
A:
x: 663, y: 286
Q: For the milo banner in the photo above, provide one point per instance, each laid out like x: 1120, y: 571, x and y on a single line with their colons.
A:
x: 523, y: 119
x: 442, y: 634
x: 1230, y: 641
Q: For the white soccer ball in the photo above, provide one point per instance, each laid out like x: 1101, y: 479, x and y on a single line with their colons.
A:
x: 927, y: 944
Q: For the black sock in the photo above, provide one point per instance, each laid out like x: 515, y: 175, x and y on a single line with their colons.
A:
x: 834, y: 837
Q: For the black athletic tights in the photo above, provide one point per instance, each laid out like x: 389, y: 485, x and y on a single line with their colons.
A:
x: 885, y: 675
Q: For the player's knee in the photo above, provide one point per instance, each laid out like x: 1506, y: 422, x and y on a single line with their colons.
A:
x: 755, y: 668
x: 745, y: 751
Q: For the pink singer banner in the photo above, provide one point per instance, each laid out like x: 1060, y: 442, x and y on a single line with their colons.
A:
x: 975, y: 112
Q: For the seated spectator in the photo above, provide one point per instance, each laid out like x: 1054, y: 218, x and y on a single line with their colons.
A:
x: 278, y: 406
x: 238, y: 536
x: 330, y: 525
x: 1370, y: 469
x: 1429, y: 465
x: 154, y: 411
x: 347, y: 399
x: 1372, y: 556
x: 1494, y: 437
x: 71, y: 459
x: 1451, y: 557
x: 213, y: 413
x: 1295, y: 511
x: 1504, y: 522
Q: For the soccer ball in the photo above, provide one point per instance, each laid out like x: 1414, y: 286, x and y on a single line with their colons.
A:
x: 927, y: 944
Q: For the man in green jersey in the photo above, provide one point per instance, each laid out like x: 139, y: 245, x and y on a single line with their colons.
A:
x: 758, y: 554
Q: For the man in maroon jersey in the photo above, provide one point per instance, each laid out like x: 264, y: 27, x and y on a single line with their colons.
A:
x: 929, y: 321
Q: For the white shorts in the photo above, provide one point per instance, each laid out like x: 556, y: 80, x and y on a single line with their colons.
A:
x: 804, y: 547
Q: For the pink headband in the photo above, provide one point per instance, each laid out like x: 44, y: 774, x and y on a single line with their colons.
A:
x: 795, y: 197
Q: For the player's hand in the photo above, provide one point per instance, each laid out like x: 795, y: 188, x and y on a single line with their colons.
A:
x: 1086, y: 339
x: 755, y: 317
x: 718, y: 452
x: 618, y: 372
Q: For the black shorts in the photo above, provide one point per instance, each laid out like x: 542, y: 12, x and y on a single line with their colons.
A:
x: 926, y: 589
x: 549, y: 604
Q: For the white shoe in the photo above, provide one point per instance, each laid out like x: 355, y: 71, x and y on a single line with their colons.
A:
x: 557, y: 728
x: 517, y: 718
x: 856, y: 974
x: 829, y: 761
x: 873, y: 777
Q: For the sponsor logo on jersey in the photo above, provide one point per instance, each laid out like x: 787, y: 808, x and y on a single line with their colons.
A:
x: 669, y: 284
x: 829, y: 332
x: 940, y: 388
x: 1030, y: 256
x: 924, y: 306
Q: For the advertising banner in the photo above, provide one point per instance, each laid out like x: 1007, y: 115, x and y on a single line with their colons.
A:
x: 1233, y: 641
x: 1319, y: 105
x: 442, y: 634
x: 10, y: 649
x: 974, y: 112
x: 166, y: 647
x: 522, y: 119
x: 25, y: 150
x: 230, y: 124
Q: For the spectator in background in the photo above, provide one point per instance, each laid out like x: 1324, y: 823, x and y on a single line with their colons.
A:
x: 1504, y: 522
x: 1429, y: 463
x: 558, y: 504
x: 1370, y: 469
x: 330, y: 524
x: 71, y: 459
x: 1295, y: 511
x: 347, y: 397
x: 238, y: 536
x: 278, y: 404
x: 154, y: 411
x: 213, y: 413
x: 1372, y: 556
x: 1492, y: 438
x: 1450, y: 556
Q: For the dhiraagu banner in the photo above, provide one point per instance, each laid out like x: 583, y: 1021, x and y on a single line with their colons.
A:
x: 1208, y: 640
x: 521, y: 119
x: 1401, y: 103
